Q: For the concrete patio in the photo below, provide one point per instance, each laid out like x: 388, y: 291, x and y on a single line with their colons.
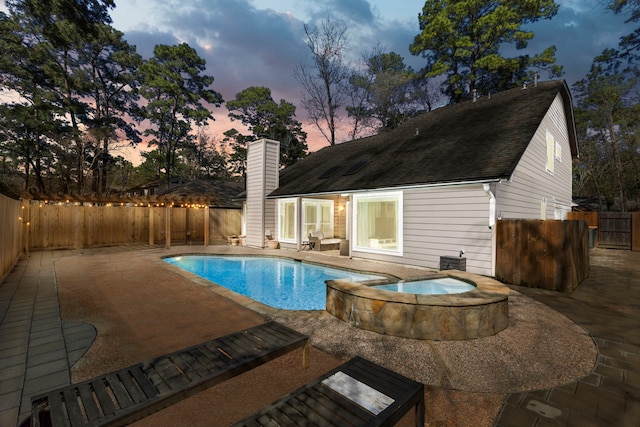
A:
x: 52, y: 305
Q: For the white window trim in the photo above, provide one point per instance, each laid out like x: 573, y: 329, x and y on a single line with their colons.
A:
x: 295, y: 220
x: 318, y: 202
x: 550, y: 147
x: 558, y: 152
x: 399, y: 225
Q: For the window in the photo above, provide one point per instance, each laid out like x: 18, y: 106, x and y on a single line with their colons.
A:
x: 558, y: 151
x: 558, y: 211
x: 550, y: 152
x: 543, y: 208
x: 378, y: 223
x: 287, y: 220
x: 317, y: 215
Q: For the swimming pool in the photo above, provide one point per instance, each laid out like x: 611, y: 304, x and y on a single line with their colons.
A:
x: 276, y: 282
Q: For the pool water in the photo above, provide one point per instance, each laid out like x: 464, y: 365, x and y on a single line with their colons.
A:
x: 276, y: 282
x: 444, y: 285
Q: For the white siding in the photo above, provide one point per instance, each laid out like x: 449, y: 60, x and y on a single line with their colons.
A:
x: 263, y: 163
x: 272, y: 174
x: 531, y: 184
x: 443, y: 221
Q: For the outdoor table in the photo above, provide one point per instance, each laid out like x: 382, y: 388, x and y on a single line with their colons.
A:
x: 357, y: 393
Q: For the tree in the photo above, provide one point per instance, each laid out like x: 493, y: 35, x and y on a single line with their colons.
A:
x: 44, y: 40
x: 175, y: 91
x: 120, y: 175
x: 27, y: 131
x: 629, y: 46
x: 386, y: 93
x: 204, y: 159
x: 632, y: 6
x: 110, y: 76
x: 27, y: 123
x: 151, y: 167
x: 265, y: 118
x: 324, y: 80
x: 461, y: 39
x: 58, y: 29
x: 608, y: 113
x: 238, y: 157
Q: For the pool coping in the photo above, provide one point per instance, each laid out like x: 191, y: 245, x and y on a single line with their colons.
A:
x: 487, y: 291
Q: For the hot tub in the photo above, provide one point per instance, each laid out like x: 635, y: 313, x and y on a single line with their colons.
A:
x: 480, y: 312
x: 434, y: 286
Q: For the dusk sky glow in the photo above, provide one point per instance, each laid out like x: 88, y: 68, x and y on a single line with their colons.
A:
x: 260, y: 42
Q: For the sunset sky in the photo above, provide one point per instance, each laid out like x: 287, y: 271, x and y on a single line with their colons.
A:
x: 260, y: 42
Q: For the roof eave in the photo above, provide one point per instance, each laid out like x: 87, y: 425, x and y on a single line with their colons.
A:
x: 391, y: 188
x: 568, y: 110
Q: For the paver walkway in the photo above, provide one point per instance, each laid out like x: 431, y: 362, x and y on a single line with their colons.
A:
x: 607, y: 304
x: 36, y: 347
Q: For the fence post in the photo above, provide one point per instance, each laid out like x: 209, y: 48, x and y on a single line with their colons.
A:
x: 167, y: 226
x: 635, y: 231
x: 206, y: 225
x: 26, y: 219
x: 81, y: 230
x: 150, y: 224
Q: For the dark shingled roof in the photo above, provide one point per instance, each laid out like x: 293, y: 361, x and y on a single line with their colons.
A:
x: 215, y: 192
x: 469, y: 141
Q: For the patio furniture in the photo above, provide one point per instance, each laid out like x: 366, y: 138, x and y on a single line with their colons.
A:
x: 307, y: 245
x: 121, y: 397
x: 322, y: 243
x: 357, y: 393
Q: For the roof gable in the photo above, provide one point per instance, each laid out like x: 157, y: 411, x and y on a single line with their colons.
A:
x: 478, y: 140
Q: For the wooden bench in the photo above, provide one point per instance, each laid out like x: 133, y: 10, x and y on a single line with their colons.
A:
x: 358, y: 393
x: 121, y: 397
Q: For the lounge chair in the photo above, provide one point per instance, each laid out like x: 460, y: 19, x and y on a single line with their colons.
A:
x: 127, y: 395
x: 358, y: 393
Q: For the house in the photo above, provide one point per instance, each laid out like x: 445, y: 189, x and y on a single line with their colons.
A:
x: 433, y: 187
x: 154, y: 187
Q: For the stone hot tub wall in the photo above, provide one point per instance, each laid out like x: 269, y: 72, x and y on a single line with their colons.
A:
x: 479, y: 313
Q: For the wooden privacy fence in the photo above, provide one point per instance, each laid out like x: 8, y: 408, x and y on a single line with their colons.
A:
x: 71, y: 226
x: 547, y: 254
x: 615, y: 230
x: 11, y: 225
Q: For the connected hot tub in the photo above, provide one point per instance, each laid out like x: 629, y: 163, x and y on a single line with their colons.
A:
x: 476, y: 313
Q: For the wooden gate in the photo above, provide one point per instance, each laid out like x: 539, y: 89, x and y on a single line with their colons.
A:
x: 614, y: 230
x: 549, y: 254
